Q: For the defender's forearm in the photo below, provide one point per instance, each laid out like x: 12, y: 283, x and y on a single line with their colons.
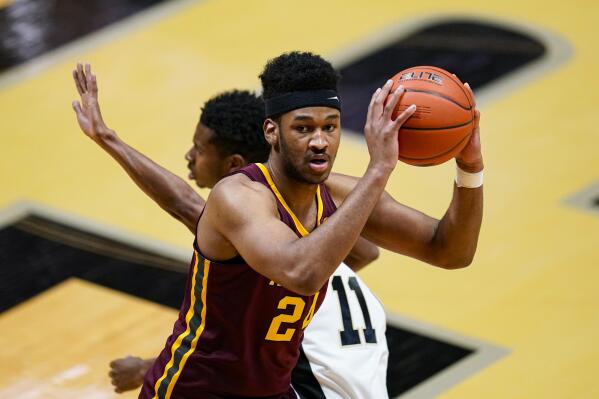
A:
x: 362, y: 254
x: 457, y: 233
x: 168, y: 190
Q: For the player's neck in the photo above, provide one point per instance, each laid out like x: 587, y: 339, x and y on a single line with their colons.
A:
x: 297, y: 194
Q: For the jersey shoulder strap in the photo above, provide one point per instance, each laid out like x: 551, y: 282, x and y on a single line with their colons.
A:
x: 255, y: 172
x: 325, y: 205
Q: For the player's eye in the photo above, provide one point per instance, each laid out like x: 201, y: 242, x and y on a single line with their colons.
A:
x: 330, y: 128
x: 303, y: 128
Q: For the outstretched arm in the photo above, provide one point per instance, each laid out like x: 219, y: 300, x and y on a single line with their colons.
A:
x: 449, y: 242
x: 168, y: 190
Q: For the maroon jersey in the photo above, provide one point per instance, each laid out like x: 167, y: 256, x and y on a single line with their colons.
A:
x: 238, y: 333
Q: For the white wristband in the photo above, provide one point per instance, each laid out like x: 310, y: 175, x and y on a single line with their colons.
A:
x: 468, y: 180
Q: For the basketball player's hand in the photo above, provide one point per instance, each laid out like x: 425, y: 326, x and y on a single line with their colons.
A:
x: 470, y: 159
x: 127, y: 373
x: 381, y: 130
x: 88, y: 110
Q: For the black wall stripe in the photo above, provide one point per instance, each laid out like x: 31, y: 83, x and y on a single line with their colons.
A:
x: 30, y: 28
x: 476, y: 51
x: 36, y: 254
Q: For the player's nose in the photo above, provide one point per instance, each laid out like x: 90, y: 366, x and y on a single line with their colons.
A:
x: 319, y: 142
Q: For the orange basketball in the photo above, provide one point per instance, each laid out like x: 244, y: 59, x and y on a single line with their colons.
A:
x: 444, y: 118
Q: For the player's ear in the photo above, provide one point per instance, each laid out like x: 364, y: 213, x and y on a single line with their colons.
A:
x: 235, y: 162
x: 271, y: 133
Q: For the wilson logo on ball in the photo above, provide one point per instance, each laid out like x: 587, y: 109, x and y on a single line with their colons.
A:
x: 433, y: 77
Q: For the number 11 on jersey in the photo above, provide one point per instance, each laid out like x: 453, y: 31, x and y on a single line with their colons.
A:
x: 349, y: 336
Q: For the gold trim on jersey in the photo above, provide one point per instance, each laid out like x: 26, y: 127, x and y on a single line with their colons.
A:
x: 320, y: 206
x: 188, y: 317
x: 298, y: 225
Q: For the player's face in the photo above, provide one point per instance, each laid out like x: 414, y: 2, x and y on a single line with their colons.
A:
x: 309, y: 139
x: 205, y: 164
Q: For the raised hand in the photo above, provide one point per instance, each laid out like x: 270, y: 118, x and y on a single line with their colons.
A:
x: 470, y: 159
x: 381, y: 130
x: 88, y: 110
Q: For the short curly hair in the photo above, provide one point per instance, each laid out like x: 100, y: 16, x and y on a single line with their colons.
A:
x: 236, y: 118
x: 297, y: 71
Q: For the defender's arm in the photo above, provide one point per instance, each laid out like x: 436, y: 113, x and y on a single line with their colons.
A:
x: 168, y: 190
x: 362, y: 254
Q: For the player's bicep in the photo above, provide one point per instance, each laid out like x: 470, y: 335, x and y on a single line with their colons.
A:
x: 248, y: 219
x: 261, y: 240
x: 391, y: 225
x: 401, y: 229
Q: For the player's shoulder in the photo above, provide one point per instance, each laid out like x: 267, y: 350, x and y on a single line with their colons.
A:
x: 239, y: 192
x: 339, y: 186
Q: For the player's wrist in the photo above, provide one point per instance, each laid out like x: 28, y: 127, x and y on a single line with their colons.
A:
x: 105, y: 136
x: 467, y: 179
x: 470, y: 167
x: 380, y: 168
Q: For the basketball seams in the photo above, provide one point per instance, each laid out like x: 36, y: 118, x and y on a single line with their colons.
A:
x: 453, y: 78
x: 432, y: 158
x: 440, y: 95
x: 404, y: 127
x: 454, y: 120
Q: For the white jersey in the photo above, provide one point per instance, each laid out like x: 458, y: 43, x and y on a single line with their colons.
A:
x: 344, y: 352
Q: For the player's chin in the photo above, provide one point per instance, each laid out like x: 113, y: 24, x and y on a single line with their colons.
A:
x: 319, y: 174
x: 200, y: 183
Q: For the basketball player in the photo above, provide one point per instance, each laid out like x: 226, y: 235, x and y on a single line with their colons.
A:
x: 228, y: 136
x: 303, y: 131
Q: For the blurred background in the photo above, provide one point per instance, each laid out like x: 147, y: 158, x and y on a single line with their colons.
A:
x: 92, y: 270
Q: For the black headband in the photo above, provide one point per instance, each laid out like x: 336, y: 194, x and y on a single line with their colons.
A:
x: 301, y: 99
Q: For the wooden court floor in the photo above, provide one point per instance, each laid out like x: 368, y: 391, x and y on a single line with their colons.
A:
x: 531, y: 289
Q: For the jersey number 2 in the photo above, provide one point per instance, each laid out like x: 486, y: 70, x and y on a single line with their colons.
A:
x: 297, y: 304
x: 349, y: 336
